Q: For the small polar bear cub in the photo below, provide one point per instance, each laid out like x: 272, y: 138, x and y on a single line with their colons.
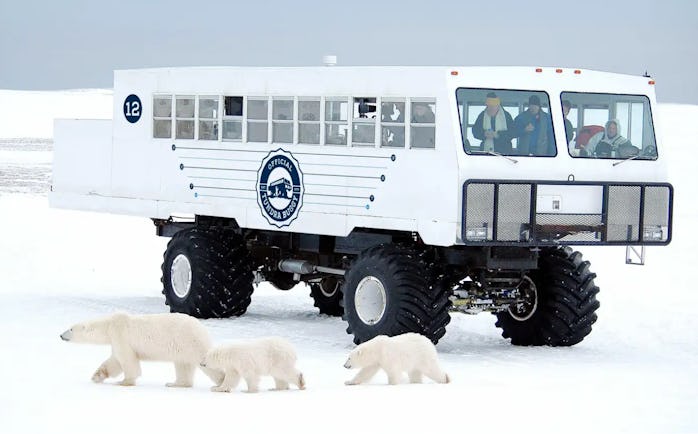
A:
x: 410, y: 352
x: 169, y: 337
x: 250, y: 360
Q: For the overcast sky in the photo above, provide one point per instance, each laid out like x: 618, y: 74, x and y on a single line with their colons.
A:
x: 59, y: 44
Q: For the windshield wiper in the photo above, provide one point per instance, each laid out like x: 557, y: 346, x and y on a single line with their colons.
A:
x: 627, y: 159
x: 495, y: 154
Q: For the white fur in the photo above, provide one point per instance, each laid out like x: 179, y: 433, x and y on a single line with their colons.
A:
x: 250, y: 360
x: 169, y: 337
x: 410, y: 352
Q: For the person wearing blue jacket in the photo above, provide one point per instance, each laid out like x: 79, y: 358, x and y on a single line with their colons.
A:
x: 534, y: 128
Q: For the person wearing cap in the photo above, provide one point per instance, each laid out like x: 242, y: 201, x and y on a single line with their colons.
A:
x: 534, y: 128
x: 494, y: 126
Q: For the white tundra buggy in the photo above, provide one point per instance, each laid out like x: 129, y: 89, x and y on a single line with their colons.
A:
x: 399, y: 194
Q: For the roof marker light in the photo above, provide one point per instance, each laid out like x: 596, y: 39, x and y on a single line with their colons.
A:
x: 454, y: 72
x: 577, y: 71
x: 651, y: 82
x: 539, y: 69
x: 558, y: 70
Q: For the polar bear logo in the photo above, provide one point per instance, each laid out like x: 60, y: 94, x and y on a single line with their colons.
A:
x: 250, y: 360
x: 410, y: 352
x: 169, y: 337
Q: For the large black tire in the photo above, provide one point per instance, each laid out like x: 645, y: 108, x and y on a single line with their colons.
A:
x: 413, y: 301
x: 221, y: 273
x: 565, y: 302
x: 327, y: 296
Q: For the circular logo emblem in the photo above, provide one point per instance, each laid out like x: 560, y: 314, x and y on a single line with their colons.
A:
x: 280, y: 188
x: 132, y: 108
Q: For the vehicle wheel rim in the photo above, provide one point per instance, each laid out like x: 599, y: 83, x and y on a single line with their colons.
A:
x: 329, y: 287
x: 180, y: 276
x: 525, y: 309
x: 370, y: 300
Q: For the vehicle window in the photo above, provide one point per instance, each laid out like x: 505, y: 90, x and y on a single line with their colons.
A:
x: 232, y: 117
x: 336, y: 121
x: 162, y: 117
x: 282, y: 120
x: 611, y: 126
x: 393, y: 123
x: 208, y: 118
x: 184, y: 113
x: 423, y: 124
x: 257, y: 120
x: 364, y: 122
x: 309, y: 121
x: 506, y: 122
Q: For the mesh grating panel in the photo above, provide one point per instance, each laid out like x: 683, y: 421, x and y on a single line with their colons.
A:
x: 594, y: 213
x: 656, y: 206
x: 513, y: 211
x: 479, y: 209
x: 623, y: 213
x: 568, y: 227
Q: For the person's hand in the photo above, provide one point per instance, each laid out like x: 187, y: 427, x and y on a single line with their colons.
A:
x: 529, y: 127
x: 489, y: 134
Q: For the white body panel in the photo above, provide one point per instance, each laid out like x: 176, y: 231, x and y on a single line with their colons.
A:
x: 126, y: 171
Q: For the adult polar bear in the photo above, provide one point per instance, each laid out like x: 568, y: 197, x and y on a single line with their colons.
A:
x: 167, y: 337
x: 409, y: 352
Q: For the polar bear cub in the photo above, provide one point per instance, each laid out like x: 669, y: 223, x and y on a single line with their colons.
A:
x: 169, y: 337
x: 410, y: 352
x: 271, y: 356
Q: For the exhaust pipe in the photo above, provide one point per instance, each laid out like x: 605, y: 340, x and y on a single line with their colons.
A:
x: 299, y: 266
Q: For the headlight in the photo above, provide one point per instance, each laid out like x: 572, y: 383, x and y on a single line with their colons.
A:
x: 476, y: 234
x: 653, y: 233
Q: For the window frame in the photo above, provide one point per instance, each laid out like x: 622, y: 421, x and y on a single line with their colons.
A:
x: 291, y: 121
x: 356, y: 121
x: 403, y: 124
x: 565, y: 94
x: 234, y: 119
x: 409, y: 124
x: 161, y: 118
x: 347, y: 122
x: 177, y: 119
x: 522, y: 108
x: 298, y: 121
x: 266, y: 121
x: 216, y: 118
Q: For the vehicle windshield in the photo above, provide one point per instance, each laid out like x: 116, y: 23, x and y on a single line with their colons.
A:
x: 608, y: 126
x: 506, y: 122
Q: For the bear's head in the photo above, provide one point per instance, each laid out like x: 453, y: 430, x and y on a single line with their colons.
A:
x: 91, y: 332
x: 211, y: 359
x: 365, y: 354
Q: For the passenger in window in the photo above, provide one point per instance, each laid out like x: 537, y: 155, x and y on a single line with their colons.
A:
x: 423, y: 114
x: 534, y: 128
x: 569, y: 129
x: 494, y: 126
x: 392, y: 136
x: 391, y: 113
x: 607, y: 143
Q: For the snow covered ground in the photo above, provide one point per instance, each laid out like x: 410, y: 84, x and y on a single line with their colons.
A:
x: 636, y: 372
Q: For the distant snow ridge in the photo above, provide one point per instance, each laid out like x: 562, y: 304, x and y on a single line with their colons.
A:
x: 26, y: 144
x: 30, y: 114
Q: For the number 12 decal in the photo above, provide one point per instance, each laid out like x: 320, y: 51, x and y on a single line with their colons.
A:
x: 132, y: 108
